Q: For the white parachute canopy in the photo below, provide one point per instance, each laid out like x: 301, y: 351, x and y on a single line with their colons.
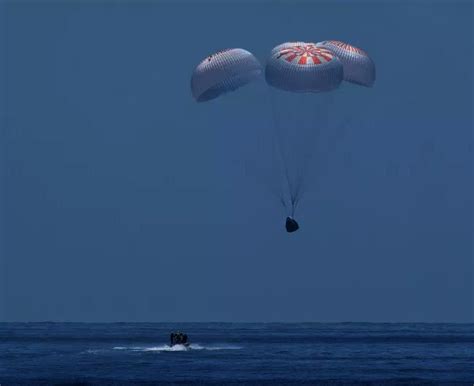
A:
x: 224, y: 71
x: 358, y: 66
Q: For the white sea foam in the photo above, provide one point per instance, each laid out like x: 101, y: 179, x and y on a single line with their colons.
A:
x: 93, y: 351
x: 178, y: 347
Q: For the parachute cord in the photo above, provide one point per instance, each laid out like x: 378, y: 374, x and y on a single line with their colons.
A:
x: 300, y: 188
x: 280, y: 193
x: 280, y: 153
x: 312, y: 150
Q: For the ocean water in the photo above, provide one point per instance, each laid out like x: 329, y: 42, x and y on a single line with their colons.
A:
x: 237, y: 353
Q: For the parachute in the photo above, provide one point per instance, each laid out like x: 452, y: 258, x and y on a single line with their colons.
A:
x: 301, y: 74
x: 358, y: 66
x: 222, y: 72
x: 303, y: 67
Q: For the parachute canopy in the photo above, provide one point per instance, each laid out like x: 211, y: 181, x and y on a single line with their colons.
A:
x: 303, y: 67
x: 358, y: 66
x: 222, y: 72
x: 282, y: 46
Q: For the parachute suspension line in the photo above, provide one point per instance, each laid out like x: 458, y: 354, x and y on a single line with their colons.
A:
x: 281, y: 195
x: 279, y: 152
x: 314, y: 143
x: 307, y: 124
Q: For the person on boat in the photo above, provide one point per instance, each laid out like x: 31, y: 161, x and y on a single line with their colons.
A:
x: 178, y: 338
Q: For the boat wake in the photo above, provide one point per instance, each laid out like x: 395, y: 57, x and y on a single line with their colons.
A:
x: 177, y: 347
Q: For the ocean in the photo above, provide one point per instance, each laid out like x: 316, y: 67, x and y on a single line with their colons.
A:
x: 237, y: 353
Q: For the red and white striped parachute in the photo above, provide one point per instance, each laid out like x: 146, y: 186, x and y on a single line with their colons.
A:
x: 222, y: 72
x: 303, y: 67
x: 358, y: 66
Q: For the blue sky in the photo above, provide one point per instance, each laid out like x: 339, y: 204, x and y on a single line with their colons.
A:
x: 124, y: 200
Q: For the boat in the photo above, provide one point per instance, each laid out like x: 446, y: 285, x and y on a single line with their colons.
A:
x: 179, y: 339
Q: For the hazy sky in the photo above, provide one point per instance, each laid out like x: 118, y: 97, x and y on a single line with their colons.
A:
x: 124, y: 200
